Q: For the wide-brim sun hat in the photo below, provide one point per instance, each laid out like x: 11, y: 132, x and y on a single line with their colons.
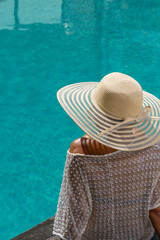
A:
x: 115, y: 111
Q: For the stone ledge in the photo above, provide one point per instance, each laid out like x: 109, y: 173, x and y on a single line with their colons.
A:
x: 42, y: 231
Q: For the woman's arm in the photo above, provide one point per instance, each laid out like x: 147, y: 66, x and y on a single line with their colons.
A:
x: 155, y: 219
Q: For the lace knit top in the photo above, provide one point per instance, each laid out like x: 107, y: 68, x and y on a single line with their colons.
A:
x: 108, y: 197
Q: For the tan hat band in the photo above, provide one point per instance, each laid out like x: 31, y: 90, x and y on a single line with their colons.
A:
x: 141, y: 117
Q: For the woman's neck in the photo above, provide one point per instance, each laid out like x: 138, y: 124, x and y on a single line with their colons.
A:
x: 94, y: 147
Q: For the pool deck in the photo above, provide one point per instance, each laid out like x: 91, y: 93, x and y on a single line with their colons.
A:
x: 42, y: 231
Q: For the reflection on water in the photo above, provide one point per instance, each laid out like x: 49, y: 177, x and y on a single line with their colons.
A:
x: 24, y: 12
x: 44, y: 46
x: 16, y: 3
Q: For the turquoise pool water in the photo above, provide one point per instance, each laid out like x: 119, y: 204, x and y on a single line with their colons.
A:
x: 45, y: 45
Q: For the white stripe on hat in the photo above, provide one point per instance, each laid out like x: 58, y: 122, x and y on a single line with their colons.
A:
x: 142, y: 116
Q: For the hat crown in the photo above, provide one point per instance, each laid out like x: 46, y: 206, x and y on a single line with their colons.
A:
x: 120, y: 95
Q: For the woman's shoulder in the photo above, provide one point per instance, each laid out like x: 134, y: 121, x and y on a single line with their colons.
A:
x: 76, y: 146
x: 89, y: 146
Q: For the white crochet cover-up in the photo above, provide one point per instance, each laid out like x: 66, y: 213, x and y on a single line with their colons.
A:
x: 108, y: 197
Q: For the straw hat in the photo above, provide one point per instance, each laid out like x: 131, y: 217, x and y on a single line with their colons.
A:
x: 115, y: 111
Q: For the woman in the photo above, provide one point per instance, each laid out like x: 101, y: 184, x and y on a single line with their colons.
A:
x: 111, y: 181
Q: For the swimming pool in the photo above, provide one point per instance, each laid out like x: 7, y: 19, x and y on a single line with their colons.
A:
x: 44, y: 46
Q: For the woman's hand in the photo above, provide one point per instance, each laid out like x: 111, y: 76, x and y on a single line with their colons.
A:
x: 154, y: 216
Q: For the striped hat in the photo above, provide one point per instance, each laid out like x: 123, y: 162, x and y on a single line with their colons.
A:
x: 115, y: 111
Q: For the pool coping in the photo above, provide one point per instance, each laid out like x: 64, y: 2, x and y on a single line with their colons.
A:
x: 42, y: 231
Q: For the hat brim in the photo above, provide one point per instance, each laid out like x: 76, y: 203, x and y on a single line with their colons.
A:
x: 78, y: 101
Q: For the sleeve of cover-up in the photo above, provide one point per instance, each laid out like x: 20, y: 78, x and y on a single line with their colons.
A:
x: 74, y: 204
x: 155, y: 200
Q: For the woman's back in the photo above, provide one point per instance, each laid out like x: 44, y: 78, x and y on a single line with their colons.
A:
x: 108, y: 196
